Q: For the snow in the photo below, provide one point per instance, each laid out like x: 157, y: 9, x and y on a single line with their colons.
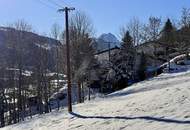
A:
x: 3, y: 29
x: 160, y: 103
x: 109, y: 38
x: 44, y: 46
x: 177, y: 58
x: 24, y: 72
x: 53, y: 74
x: 175, y: 64
x: 104, y: 40
x: 61, y: 95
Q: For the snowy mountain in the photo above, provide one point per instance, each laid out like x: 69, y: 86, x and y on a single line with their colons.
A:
x: 109, y: 38
x: 103, y: 41
x: 160, y: 103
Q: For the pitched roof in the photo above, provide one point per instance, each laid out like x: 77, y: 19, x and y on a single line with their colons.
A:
x: 107, y: 50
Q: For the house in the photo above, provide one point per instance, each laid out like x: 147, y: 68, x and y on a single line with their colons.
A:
x: 105, y: 55
x: 155, y: 52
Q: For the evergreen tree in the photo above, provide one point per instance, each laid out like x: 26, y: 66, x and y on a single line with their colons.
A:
x: 169, y: 39
x: 128, y: 53
x: 127, y: 40
x: 123, y: 63
x: 168, y: 34
x: 142, y: 67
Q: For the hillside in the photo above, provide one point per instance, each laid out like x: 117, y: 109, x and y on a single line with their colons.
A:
x: 30, y: 43
x: 161, y: 103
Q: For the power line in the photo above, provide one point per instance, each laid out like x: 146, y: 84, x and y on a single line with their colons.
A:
x: 52, y: 4
x: 55, y: 3
x: 64, y: 2
x: 47, y: 5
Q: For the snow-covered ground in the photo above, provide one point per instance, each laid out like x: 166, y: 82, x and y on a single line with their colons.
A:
x: 161, y: 103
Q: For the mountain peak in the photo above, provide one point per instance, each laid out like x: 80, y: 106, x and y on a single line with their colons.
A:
x: 108, y: 37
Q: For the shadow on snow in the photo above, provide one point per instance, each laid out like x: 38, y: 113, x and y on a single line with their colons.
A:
x: 148, y: 118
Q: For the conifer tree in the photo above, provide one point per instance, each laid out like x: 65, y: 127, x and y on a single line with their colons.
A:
x: 128, y: 52
x: 168, y: 38
x: 142, y: 67
x: 168, y: 30
x: 123, y: 62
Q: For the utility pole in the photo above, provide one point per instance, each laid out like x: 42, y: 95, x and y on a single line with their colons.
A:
x: 109, y: 50
x: 66, y: 10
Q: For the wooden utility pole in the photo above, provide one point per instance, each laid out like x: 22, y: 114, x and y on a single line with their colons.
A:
x: 66, y: 10
x: 79, y: 92
x: 109, y: 55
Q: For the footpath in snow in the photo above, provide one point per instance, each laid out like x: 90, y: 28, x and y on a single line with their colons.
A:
x: 161, y: 103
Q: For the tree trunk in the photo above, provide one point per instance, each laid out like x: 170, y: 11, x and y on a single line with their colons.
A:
x: 89, y: 93
x: 83, y: 92
x: 2, y: 118
x: 79, y: 93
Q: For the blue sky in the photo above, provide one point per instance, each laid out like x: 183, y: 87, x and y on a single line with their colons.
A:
x: 106, y: 15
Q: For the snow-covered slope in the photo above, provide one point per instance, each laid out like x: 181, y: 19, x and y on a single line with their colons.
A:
x: 161, y: 103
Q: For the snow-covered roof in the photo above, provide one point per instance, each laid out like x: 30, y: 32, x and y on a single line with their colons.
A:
x: 107, y: 50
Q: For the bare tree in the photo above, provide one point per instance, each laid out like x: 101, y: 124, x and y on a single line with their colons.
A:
x: 40, y: 75
x: 183, y: 35
x: 135, y: 29
x: 55, y: 33
x: 81, y: 31
x: 82, y: 23
x: 18, y: 43
x: 152, y: 29
x: 185, y: 17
